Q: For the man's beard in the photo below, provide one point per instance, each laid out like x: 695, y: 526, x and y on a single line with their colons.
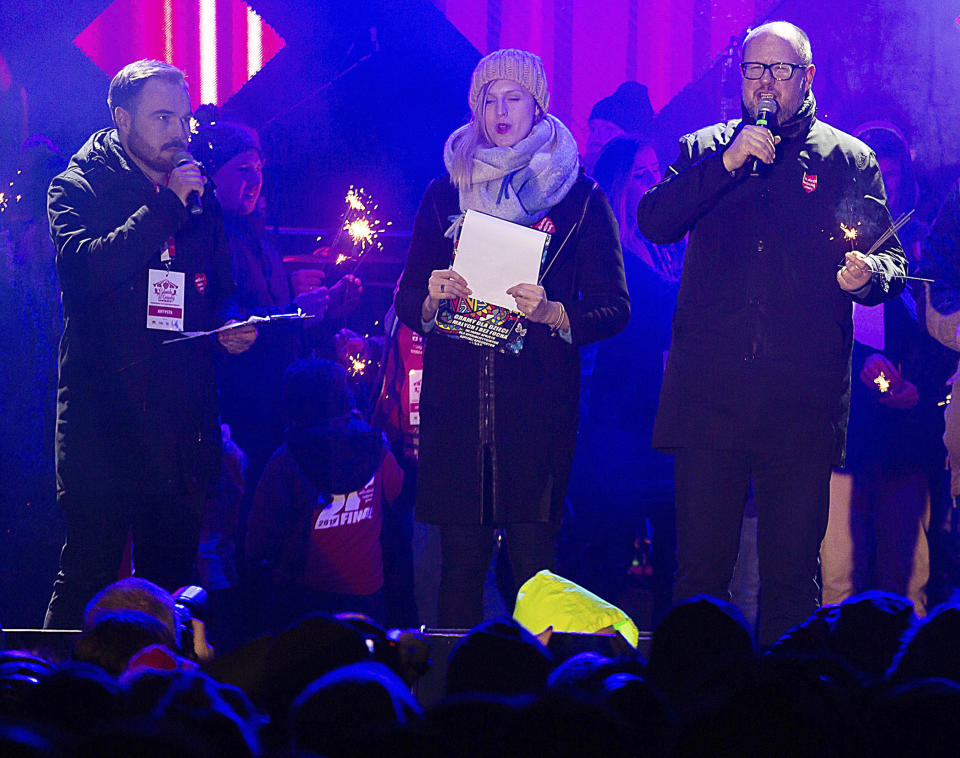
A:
x: 144, y: 152
x: 784, y: 114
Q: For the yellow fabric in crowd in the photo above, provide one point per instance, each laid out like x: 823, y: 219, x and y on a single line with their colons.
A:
x: 547, y: 600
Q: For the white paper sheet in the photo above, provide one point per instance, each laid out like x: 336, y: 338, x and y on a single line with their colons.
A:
x: 494, y: 255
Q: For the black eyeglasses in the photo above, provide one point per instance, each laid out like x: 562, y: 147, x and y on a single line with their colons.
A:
x: 779, y: 71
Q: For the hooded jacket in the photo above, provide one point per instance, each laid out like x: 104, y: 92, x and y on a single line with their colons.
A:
x: 299, y: 489
x: 130, y: 409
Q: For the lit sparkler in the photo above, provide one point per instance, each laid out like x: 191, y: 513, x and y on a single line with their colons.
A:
x: 360, y: 232
x: 355, y: 201
x: 359, y: 229
x: 358, y: 364
x: 850, y: 234
x: 9, y: 195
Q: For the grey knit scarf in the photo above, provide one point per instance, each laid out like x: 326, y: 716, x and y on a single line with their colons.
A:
x: 520, y: 183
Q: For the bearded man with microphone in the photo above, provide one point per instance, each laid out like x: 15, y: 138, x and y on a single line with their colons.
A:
x: 141, y: 257
x: 757, y: 382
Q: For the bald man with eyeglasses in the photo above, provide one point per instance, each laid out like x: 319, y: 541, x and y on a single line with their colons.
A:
x: 757, y: 384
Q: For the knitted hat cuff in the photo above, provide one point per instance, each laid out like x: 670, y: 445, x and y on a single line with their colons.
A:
x: 515, y: 65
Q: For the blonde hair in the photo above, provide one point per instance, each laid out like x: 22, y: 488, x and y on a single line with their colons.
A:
x: 465, y: 146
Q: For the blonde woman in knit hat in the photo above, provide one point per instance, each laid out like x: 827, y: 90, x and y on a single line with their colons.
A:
x: 497, y: 431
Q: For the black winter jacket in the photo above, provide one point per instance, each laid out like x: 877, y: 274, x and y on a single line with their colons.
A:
x: 497, y: 432
x: 131, y: 410
x: 760, y: 353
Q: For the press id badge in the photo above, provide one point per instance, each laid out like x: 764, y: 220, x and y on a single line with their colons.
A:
x: 165, y: 297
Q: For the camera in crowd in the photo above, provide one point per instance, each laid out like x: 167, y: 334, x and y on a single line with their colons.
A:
x: 189, y: 603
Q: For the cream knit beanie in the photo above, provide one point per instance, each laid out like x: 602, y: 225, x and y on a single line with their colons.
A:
x: 515, y: 65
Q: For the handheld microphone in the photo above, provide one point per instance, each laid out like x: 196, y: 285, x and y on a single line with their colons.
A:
x: 766, y: 116
x: 193, y: 199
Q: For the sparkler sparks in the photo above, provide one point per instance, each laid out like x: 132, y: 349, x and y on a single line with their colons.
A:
x: 850, y: 234
x: 358, y: 364
x: 360, y: 231
x: 10, y: 193
x: 359, y: 228
x: 9, y: 197
x: 355, y: 200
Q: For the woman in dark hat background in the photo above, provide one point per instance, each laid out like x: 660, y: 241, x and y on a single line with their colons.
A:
x: 250, y: 388
x: 624, y: 488
x: 626, y: 111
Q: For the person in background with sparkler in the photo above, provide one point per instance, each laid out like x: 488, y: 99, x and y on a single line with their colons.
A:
x: 882, y: 499
x: 231, y: 155
x: 940, y: 305
x: 250, y: 384
x: 29, y: 297
x: 497, y: 431
x: 758, y: 377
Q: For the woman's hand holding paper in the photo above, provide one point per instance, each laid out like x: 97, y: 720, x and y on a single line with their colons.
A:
x: 443, y: 284
x: 532, y: 302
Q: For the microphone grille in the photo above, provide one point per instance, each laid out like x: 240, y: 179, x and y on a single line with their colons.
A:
x: 768, y: 104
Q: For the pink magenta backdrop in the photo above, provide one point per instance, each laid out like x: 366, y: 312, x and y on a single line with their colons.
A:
x: 169, y: 30
x: 589, y: 47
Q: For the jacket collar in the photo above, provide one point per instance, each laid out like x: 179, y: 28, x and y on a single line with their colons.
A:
x: 103, y: 149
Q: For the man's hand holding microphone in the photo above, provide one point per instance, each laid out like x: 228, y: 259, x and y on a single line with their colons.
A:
x: 755, y: 140
x: 186, y: 181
